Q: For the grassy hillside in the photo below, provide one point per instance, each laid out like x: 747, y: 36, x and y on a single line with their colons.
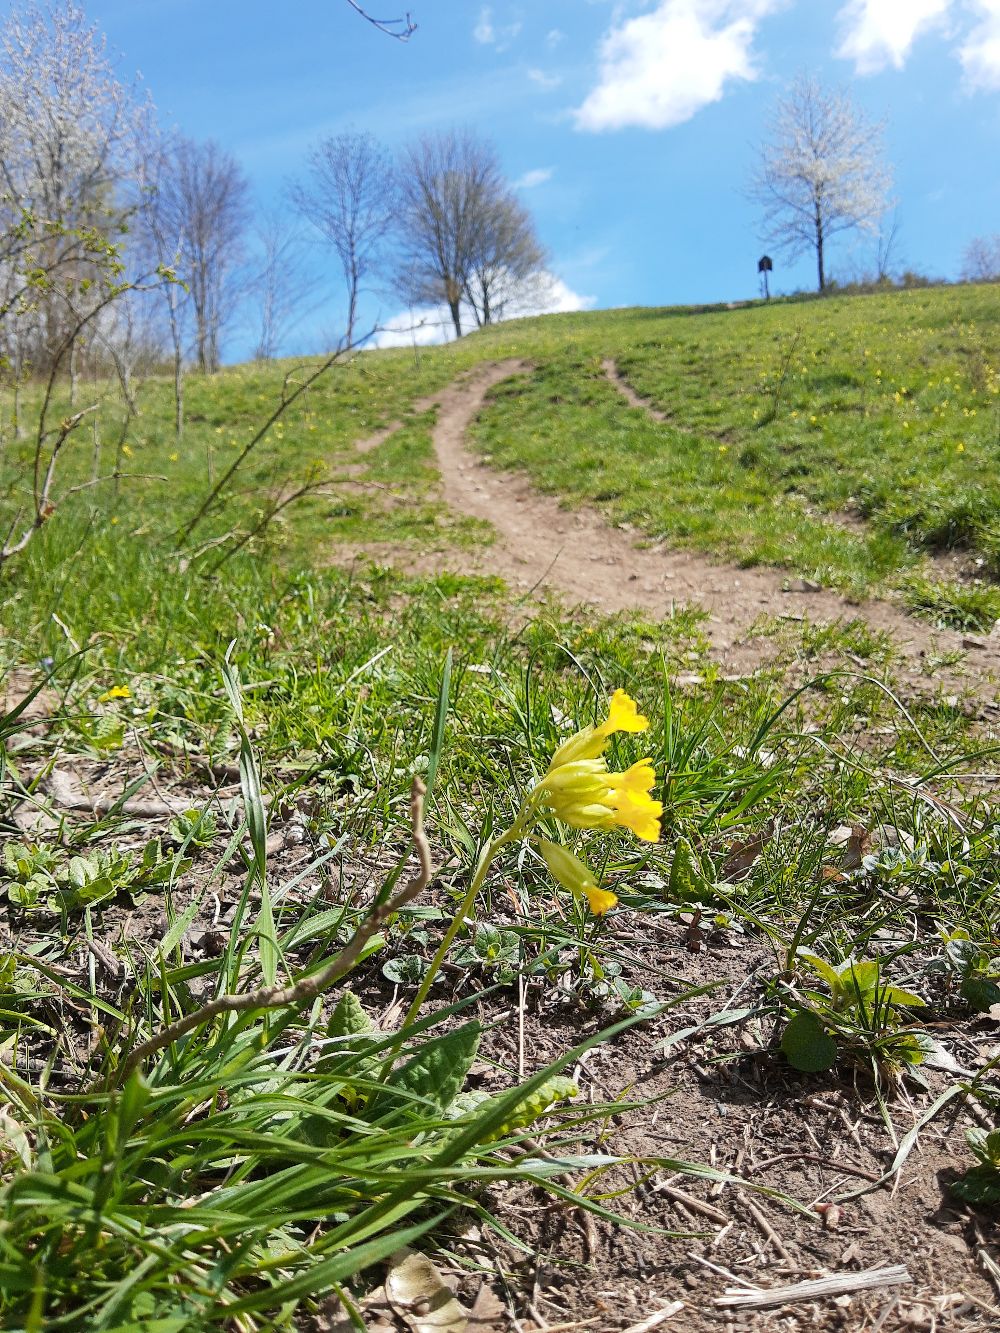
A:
x: 212, y: 794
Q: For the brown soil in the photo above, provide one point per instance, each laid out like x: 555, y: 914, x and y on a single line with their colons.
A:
x: 573, y: 552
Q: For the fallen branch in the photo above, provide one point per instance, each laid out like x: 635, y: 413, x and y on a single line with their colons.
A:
x: 307, y: 988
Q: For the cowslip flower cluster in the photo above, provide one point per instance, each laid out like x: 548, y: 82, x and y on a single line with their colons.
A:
x: 579, y: 789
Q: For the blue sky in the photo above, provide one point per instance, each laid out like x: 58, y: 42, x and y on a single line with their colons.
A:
x: 630, y: 126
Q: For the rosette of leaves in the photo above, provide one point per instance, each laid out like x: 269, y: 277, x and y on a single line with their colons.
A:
x: 980, y: 1185
x: 39, y: 876
x: 861, y: 1012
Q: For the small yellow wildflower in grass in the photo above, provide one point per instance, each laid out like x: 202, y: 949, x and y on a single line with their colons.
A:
x: 579, y: 789
x: 127, y: 451
x: 116, y: 692
x: 173, y: 457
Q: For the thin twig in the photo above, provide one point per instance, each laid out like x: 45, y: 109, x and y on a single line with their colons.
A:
x: 402, y: 29
x: 307, y: 988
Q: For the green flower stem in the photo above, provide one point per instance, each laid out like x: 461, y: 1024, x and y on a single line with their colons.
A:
x: 516, y: 830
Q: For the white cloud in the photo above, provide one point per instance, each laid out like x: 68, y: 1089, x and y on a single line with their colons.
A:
x: 661, y: 68
x: 545, y: 81
x: 980, y: 53
x: 544, y: 295
x: 554, y: 37
x: 487, y: 33
x: 881, y: 32
x: 484, y: 31
x: 537, y: 176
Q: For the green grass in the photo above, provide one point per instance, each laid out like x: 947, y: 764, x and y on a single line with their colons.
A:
x: 264, y: 1161
x: 786, y: 426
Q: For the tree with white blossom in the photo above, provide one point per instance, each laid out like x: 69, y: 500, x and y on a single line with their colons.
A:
x: 821, y: 172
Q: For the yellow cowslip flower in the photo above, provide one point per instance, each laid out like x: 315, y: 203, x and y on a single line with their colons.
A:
x: 623, y: 715
x: 569, y: 871
x: 580, y: 790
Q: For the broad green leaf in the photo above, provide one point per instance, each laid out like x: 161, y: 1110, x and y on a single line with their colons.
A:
x: 349, y: 1018
x: 687, y: 884
x: 437, y: 1072
x: 807, y: 1045
x: 822, y: 968
x: 532, y: 1108
x: 982, y: 993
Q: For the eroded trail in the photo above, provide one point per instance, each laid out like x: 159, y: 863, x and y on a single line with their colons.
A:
x: 579, y: 556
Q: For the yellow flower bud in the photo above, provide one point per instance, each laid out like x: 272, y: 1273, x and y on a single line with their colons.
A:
x: 569, y: 871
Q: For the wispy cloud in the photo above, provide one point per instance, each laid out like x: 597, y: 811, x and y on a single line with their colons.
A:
x: 488, y: 33
x: 545, y: 81
x: 661, y: 68
x: 484, y: 31
x: 878, y: 33
x: 538, y: 176
x: 980, y: 53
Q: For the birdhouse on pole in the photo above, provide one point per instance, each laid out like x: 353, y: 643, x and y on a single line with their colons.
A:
x: 764, y: 266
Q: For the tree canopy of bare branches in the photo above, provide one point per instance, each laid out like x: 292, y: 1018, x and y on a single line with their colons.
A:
x: 349, y: 194
x: 463, y: 236
x: 203, y: 211
x: 506, y: 255
x: 981, y: 259
x: 820, y: 172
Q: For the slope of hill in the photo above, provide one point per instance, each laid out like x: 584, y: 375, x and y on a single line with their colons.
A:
x: 775, y: 527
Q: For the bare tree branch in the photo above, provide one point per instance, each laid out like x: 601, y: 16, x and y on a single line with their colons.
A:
x: 402, y: 29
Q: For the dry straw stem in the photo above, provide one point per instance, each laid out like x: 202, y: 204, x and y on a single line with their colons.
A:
x: 836, y: 1284
x: 275, y: 997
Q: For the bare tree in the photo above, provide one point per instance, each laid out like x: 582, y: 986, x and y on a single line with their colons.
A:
x: 820, y: 173
x: 457, y: 222
x: 349, y: 195
x: 285, y: 290
x: 203, y: 206
x: 981, y: 259
x: 506, y: 254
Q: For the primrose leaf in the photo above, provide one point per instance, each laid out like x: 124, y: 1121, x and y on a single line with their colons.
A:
x: 822, y: 968
x: 807, y: 1045
x: 687, y: 884
x: 896, y: 995
x: 438, y: 1069
x: 982, y: 993
x: 980, y: 1186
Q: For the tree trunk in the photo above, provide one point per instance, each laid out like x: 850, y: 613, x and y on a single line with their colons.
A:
x: 456, y: 317
x: 19, y: 431
x: 819, y: 251
x: 74, y: 374
x: 178, y: 392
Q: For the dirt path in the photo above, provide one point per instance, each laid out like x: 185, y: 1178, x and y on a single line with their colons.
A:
x: 575, y: 553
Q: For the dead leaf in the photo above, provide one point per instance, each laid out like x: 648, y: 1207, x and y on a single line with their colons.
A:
x: 694, y: 937
x: 488, y: 1311
x: 742, y: 856
x: 419, y: 1296
x: 857, y: 847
